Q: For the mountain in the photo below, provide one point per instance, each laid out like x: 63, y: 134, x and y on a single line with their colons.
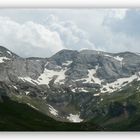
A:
x: 22, y: 119
x: 76, y: 86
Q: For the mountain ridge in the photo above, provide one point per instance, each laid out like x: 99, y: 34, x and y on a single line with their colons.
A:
x: 70, y: 85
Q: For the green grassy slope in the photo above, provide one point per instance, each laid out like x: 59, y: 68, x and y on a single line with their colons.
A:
x: 123, y: 109
x: 118, y: 111
x: 15, y: 116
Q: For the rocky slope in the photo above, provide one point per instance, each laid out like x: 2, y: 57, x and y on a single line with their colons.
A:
x: 70, y: 86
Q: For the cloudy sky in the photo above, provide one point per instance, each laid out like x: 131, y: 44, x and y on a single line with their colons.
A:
x: 43, y: 32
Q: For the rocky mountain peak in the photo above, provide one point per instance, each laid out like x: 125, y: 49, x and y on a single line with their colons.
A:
x: 64, y: 55
x: 4, y: 52
x: 68, y: 77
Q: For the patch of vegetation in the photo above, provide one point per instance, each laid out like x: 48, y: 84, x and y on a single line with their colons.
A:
x: 16, y: 116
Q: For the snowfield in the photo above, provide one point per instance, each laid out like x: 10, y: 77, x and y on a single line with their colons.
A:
x: 74, y: 118
x: 28, y: 79
x: 3, y: 58
x: 58, y: 77
x: 67, y: 63
x: 53, y: 111
x: 91, y: 77
x: 119, y: 83
x: 118, y: 58
x: 48, y: 75
x: 32, y: 106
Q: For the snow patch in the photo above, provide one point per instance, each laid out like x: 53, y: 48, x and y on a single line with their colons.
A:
x: 97, y: 94
x: 27, y: 92
x: 79, y: 90
x: 118, y: 58
x: 67, y: 63
x: 3, y: 58
x: 47, y: 64
x: 73, y: 90
x: 28, y: 79
x: 9, y: 52
x: 108, y: 55
x: 44, y: 98
x: 48, y: 75
x: 102, y: 99
x: 38, y: 60
x: 118, y: 84
x: 15, y: 87
x: 74, y: 118
x: 82, y: 90
x: 53, y: 111
x: 138, y: 76
x: 32, y: 106
x: 91, y: 78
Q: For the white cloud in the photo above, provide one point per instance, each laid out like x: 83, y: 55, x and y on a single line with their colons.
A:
x: 124, y: 36
x: 32, y: 39
x: 122, y: 33
x: 72, y: 36
x: 128, y: 25
x: 29, y: 39
x: 38, y: 34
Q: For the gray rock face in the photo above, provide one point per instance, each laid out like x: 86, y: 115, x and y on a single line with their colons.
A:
x: 69, y: 82
x: 64, y: 55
